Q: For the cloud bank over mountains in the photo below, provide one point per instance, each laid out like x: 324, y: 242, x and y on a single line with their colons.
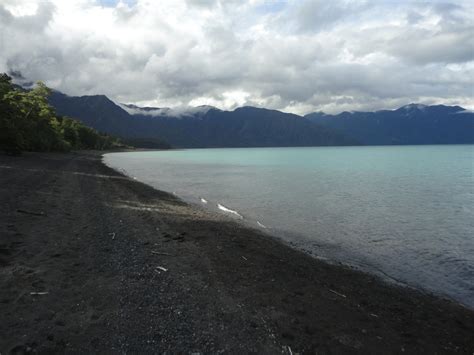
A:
x: 295, y: 55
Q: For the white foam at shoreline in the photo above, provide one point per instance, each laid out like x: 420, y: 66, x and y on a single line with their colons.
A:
x: 203, y: 200
x: 225, y: 209
x: 261, y: 225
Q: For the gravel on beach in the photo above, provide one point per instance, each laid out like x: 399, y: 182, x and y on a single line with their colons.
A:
x: 94, y: 262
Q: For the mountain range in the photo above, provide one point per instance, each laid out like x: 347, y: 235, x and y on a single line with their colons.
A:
x: 206, y: 126
x: 410, y: 124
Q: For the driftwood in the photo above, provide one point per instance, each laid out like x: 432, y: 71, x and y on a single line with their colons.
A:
x: 162, y: 268
x: 32, y: 213
x: 38, y: 293
x: 337, y: 293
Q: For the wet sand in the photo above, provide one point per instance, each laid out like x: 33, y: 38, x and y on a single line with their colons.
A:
x: 92, y: 261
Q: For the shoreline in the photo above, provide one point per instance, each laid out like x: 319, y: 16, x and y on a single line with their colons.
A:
x: 228, y: 215
x: 322, y: 250
x: 83, y: 269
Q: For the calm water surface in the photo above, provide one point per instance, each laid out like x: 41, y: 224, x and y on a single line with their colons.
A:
x: 403, y: 211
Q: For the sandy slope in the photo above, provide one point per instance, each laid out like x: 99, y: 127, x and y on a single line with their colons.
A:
x: 90, y: 243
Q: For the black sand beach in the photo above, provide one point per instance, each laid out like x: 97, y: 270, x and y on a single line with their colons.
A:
x: 94, y: 262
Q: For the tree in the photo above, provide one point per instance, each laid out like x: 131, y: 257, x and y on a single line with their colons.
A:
x: 28, y: 122
x: 11, y: 133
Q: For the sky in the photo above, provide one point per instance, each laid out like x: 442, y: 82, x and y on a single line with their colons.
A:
x: 297, y: 56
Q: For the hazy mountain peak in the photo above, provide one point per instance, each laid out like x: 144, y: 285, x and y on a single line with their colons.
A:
x: 413, y: 106
x: 254, y: 109
x: 176, y: 112
x: 248, y: 108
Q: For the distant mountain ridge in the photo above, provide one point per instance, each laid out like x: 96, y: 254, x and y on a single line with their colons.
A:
x: 207, y: 126
x: 409, y: 124
x: 204, y: 128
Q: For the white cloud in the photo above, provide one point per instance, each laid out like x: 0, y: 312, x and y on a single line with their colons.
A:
x: 298, y: 56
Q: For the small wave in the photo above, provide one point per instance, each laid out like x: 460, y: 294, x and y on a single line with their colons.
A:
x: 225, y: 209
x: 203, y: 200
x: 261, y: 225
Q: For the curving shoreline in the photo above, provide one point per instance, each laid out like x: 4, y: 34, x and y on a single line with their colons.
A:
x: 88, y: 275
x: 234, y: 215
x: 372, y: 208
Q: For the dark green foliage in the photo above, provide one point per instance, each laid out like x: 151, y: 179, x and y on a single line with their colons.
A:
x: 28, y: 122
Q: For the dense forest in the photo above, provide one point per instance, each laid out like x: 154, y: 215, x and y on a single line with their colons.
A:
x: 29, y: 123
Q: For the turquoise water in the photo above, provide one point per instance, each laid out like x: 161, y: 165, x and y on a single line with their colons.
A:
x: 403, y: 211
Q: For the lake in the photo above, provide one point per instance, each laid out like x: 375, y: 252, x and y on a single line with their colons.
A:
x: 404, y: 212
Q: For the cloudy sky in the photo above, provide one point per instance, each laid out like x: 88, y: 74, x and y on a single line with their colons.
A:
x: 294, y: 55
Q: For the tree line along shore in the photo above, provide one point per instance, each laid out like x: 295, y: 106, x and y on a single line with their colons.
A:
x: 29, y: 123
